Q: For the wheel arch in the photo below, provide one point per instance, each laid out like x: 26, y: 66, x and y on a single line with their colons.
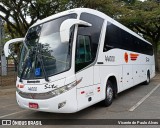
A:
x: 112, y: 78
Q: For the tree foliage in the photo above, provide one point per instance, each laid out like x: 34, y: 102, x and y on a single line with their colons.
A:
x: 16, y: 13
x: 15, y: 16
x: 144, y: 17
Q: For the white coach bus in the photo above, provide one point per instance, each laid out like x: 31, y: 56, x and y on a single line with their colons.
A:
x: 79, y: 57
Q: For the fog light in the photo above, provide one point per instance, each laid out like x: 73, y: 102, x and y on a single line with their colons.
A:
x: 60, y: 105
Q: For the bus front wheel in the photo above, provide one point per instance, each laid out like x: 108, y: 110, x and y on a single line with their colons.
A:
x: 109, y: 94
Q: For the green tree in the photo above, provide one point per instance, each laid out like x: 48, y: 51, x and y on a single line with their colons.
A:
x: 15, y: 16
x: 16, y: 12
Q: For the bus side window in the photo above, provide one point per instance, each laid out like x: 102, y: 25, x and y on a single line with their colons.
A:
x: 83, y: 52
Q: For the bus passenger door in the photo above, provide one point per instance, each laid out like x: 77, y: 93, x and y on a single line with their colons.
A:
x: 84, y: 72
x: 127, y: 76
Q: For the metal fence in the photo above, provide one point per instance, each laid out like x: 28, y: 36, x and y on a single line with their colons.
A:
x: 10, y: 78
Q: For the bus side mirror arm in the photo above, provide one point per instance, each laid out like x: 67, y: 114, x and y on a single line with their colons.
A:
x: 67, y: 24
x: 7, y: 51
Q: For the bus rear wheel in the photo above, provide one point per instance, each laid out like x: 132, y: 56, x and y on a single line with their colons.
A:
x: 109, y: 94
x: 148, y: 79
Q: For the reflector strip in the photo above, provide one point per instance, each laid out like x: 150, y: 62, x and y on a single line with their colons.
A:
x: 82, y: 92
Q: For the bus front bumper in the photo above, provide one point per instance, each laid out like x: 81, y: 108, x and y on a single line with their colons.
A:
x: 63, y: 103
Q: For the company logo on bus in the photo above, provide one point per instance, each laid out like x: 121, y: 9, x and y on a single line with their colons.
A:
x: 134, y: 56
x: 126, y: 57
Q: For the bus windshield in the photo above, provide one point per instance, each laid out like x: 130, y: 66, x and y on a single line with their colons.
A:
x: 45, y: 55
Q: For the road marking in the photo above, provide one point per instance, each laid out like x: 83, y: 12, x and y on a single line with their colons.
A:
x: 7, y: 105
x: 143, y: 99
x: 12, y: 114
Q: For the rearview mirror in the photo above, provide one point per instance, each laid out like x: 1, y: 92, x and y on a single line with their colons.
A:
x: 7, y: 50
x: 67, y: 24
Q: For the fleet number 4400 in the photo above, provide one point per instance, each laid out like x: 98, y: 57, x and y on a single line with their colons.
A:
x: 110, y: 58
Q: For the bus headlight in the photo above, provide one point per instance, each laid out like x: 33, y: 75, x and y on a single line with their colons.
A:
x: 63, y: 89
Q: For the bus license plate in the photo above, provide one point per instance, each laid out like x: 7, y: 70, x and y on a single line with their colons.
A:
x: 33, y: 105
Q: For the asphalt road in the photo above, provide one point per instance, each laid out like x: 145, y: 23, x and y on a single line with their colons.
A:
x: 139, y: 102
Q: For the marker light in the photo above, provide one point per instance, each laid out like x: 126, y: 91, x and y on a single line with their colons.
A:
x: 20, y: 86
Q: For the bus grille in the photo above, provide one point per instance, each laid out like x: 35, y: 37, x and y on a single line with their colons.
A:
x: 40, y: 96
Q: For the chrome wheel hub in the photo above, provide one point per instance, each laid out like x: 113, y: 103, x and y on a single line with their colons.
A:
x: 109, y: 93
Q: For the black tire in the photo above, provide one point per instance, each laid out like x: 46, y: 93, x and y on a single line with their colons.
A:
x: 148, y: 79
x: 109, y: 94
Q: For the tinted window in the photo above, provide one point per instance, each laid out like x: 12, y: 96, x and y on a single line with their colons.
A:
x: 83, y: 52
x: 118, y: 38
x: 94, y: 31
x: 92, y: 35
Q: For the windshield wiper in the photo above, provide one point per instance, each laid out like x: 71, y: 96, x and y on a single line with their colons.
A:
x: 39, y: 57
x: 26, y: 62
